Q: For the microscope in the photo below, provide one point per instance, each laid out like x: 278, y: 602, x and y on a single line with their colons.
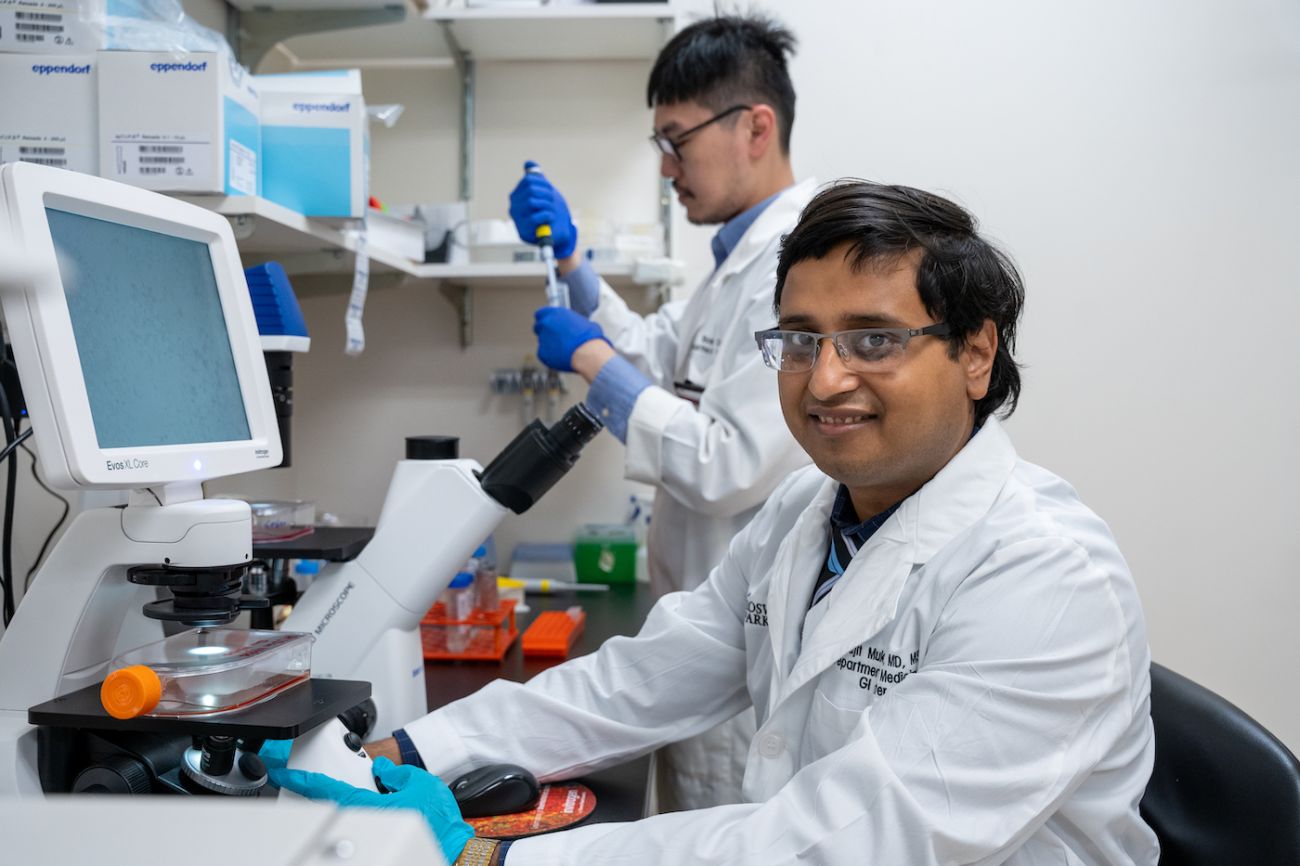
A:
x: 139, y: 357
x: 366, y: 613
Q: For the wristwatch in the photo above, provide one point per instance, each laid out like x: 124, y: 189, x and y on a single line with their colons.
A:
x: 478, y: 852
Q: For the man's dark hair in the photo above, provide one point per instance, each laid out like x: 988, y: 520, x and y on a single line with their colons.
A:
x: 961, y: 277
x: 725, y: 61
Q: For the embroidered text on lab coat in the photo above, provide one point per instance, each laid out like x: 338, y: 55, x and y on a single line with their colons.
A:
x: 878, y: 669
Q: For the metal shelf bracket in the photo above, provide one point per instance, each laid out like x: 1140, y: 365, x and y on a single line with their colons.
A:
x: 462, y: 298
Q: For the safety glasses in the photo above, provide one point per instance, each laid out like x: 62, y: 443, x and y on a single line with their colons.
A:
x: 863, y: 350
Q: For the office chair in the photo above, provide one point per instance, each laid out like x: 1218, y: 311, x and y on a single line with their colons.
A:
x: 1224, y: 791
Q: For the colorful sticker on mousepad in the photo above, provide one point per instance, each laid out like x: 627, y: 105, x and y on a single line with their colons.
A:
x: 561, y: 805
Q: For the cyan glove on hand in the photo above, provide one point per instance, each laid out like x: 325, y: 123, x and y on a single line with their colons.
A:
x: 275, y: 754
x: 410, y: 787
x: 560, y: 331
x: 534, y: 202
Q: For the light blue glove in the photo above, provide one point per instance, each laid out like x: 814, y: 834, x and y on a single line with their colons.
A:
x: 534, y: 202
x: 275, y: 754
x: 410, y: 787
x: 560, y: 331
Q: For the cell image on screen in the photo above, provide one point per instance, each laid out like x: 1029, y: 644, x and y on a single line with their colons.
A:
x: 147, y: 318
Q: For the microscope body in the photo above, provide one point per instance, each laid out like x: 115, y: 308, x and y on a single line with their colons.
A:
x: 365, y: 614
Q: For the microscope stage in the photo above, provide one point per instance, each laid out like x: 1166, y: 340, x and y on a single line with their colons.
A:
x: 283, y: 717
x: 330, y: 543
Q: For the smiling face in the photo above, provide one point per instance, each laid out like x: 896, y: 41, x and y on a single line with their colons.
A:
x: 711, y: 178
x: 883, y: 435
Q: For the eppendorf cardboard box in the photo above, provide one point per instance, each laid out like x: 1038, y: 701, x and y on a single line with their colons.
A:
x: 48, y: 109
x: 315, y: 142
x: 178, y: 122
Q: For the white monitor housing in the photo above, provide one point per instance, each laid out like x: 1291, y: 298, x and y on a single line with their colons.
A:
x: 136, y: 343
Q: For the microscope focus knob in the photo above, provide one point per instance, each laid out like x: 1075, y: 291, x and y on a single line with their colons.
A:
x: 116, y: 774
x: 252, y: 767
x: 240, y: 777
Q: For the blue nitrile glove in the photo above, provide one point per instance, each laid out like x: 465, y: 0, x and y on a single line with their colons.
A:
x: 534, y: 202
x: 560, y: 331
x: 275, y: 754
x: 410, y: 787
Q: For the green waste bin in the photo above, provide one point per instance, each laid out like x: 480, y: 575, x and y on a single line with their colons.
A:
x: 605, y: 554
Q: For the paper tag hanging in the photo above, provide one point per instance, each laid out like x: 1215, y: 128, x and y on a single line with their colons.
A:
x: 356, y: 333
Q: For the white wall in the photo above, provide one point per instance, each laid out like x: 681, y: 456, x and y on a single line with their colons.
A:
x: 1139, y: 160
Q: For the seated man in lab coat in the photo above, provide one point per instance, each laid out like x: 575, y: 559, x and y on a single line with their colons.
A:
x: 944, y: 646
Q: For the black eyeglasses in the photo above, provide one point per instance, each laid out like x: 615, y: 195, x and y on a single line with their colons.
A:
x: 670, y: 146
x: 863, y: 350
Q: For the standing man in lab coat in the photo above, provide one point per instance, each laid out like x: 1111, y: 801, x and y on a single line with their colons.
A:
x: 944, y: 646
x: 683, y: 388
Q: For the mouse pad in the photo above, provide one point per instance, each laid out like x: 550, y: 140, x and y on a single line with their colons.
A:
x: 560, y: 805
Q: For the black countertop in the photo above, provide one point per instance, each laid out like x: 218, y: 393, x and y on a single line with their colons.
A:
x: 620, y: 791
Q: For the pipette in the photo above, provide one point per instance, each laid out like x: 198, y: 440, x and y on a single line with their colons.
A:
x: 542, y: 584
x: 557, y: 295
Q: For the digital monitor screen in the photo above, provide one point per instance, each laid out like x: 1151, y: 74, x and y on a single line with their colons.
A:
x: 147, y: 318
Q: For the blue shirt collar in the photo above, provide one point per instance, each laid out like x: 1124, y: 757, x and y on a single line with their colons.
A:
x: 734, y: 229
x: 845, y: 519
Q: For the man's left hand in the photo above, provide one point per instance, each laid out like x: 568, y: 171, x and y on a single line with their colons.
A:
x: 409, y: 788
x: 275, y: 754
x: 560, y: 332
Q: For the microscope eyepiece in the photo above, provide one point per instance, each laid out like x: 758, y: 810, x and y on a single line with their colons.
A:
x: 575, y: 429
x: 537, y: 458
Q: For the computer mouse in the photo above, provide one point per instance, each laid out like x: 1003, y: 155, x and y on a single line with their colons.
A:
x: 497, y: 789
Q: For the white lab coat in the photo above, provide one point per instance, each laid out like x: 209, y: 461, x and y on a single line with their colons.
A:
x: 712, y: 464
x: 974, y: 690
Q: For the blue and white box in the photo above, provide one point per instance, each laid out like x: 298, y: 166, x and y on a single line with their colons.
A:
x: 179, y: 122
x: 47, y: 110
x: 315, y: 142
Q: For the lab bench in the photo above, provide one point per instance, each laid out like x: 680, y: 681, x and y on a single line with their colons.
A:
x: 620, y: 791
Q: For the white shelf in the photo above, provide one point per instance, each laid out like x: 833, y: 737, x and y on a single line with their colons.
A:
x: 266, y: 230
x: 517, y: 275
x: 411, y: 44
x: 262, y: 226
x: 311, y: 5
x: 627, y: 31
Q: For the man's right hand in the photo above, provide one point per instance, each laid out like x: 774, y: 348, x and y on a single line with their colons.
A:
x: 535, y: 202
